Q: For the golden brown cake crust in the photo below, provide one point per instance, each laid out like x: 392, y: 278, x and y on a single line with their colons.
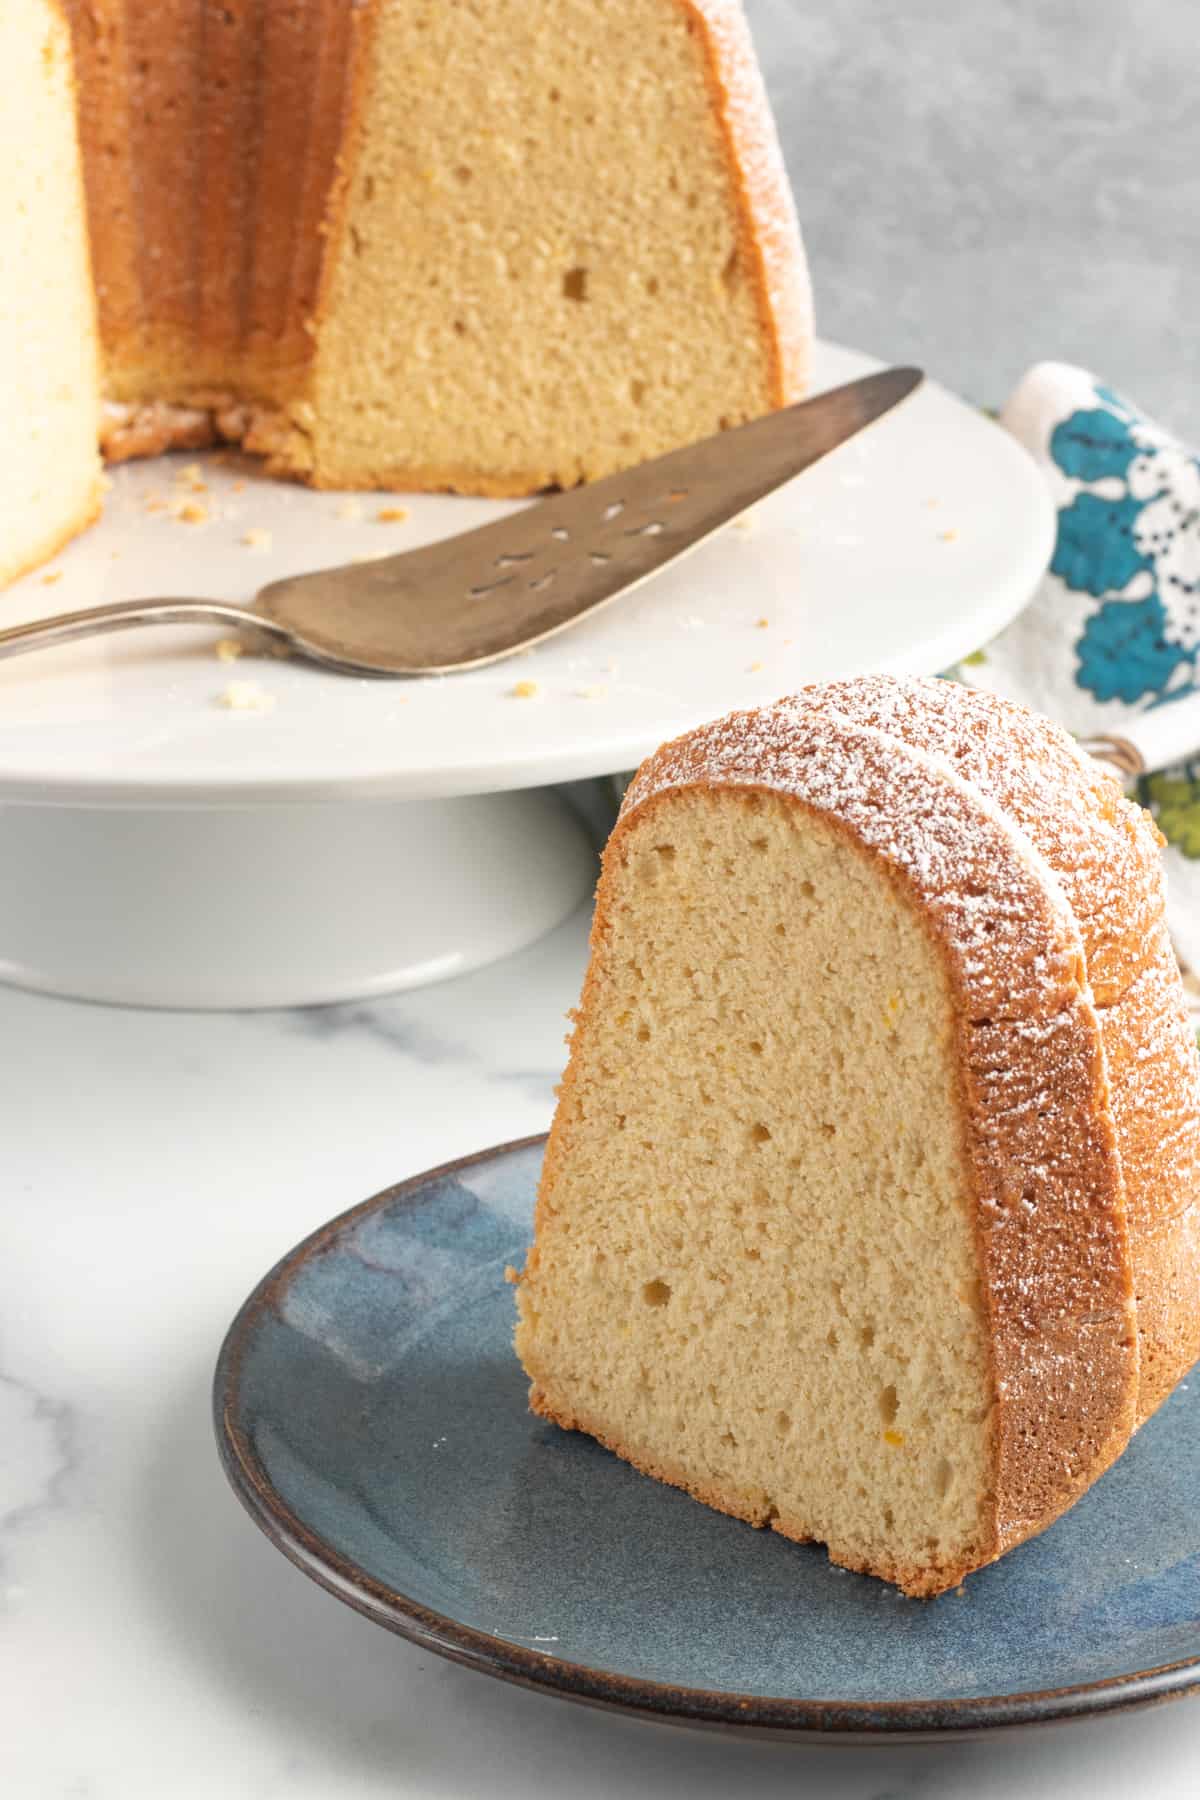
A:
x: 101, y: 57
x: 770, y: 245
x: 1040, y: 1139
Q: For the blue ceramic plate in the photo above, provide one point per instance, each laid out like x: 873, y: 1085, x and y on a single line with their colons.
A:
x: 371, y: 1416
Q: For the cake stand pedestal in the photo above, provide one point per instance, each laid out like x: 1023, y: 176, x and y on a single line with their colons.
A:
x: 284, y: 906
x: 327, y: 838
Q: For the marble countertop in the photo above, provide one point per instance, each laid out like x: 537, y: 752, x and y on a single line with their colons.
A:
x: 152, y: 1643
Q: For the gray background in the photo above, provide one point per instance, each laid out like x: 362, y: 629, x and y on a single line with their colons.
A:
x: 983, y: 184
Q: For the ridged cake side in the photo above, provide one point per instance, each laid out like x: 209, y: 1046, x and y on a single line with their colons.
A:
x: 228, y: 94
x: 272, y: 337
x: 1106, y: 852
x: 100, y: 48
x: 211, y: 135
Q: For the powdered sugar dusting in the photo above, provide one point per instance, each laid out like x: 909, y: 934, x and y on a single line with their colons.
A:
x: 1105, y: 852
x: 1102, y: 848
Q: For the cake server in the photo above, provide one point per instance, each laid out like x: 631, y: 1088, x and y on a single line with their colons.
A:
x: 475, y: 598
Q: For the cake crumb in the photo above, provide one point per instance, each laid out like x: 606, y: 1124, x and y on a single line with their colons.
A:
x: 191, y: 473
x: 392, y: 515
x: 239, y: 487
x: 511, y: 1275
x: 51, y: 576
x: 228, y: 649
x: 349, y: 509
x: 762, y: 623
x: 931, y: 503
x: 192, y: 513
x: 948, y: 537
x: 745, y: 522
x: 257, y: 538
x: 754, y: 668
x: 245, y: 696
x: 594, y: 690
x: 525, y: 690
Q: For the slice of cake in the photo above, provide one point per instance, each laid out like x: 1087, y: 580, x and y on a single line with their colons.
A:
x: 49, y: 467
x: 877, y: 1031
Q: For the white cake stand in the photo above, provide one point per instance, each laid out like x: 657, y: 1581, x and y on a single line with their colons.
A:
x: 346, y: 838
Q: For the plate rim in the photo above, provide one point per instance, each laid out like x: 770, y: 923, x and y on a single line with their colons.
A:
x: 845, y: 1721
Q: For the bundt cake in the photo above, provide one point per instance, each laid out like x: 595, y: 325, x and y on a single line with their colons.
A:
x: 49, y: 468
x: 869, y: 1210
x: 490, y: 247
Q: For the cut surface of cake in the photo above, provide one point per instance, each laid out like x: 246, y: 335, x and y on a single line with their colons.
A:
x: 869, y: 1208
x: 486, y: 245
x: 49, y: 468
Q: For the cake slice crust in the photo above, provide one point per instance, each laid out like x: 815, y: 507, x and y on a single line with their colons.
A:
x: 831, y: 1227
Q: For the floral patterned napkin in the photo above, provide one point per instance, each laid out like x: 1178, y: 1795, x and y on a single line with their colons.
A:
x: 1114, y: 629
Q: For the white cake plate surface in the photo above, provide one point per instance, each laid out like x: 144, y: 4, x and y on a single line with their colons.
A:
x: 343, y: 837
x: 905, y: 549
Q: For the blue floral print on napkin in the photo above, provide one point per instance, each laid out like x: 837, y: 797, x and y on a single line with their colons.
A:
x: 1130, y: 537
